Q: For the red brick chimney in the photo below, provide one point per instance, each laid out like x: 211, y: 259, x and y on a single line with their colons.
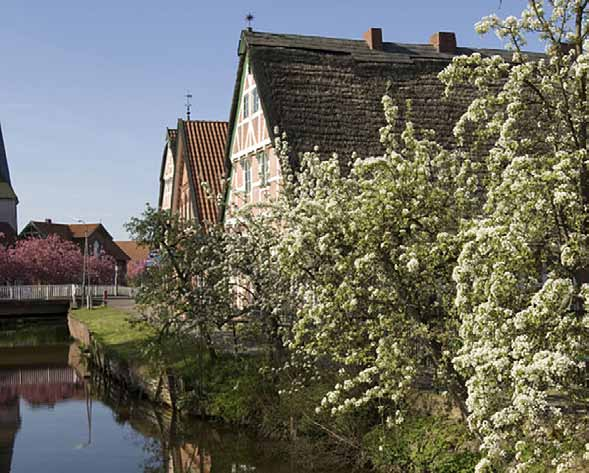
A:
x: 373, y: 38
x: 444, y: 42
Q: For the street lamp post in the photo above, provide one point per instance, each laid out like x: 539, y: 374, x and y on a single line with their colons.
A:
x: 116, y: 279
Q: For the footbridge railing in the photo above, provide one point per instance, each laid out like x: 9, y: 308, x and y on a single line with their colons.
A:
x: 61, y: 292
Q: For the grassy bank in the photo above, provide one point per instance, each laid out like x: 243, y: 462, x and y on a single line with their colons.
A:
x: 228, y: 387
x: 113, y: 329
x: 236, y: 390
x: 123, y: 338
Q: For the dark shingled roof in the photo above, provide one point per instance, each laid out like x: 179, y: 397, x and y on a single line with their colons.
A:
x: 204, y: 145
x: 327, y: 92
x: 77, y: 232
x: 6, y: 190
x: 62, y: 230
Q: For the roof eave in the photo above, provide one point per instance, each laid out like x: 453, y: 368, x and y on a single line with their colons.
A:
x: 242, y: 53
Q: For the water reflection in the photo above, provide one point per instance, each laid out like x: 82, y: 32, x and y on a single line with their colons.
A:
x: 40, y: 376
x: 10, y: 421
x: 56, y: 417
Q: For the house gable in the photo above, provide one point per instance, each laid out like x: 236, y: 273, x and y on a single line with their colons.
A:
x: 167, y: 171
x: 327, y: 92
x: 198, y: 170
x: 254, y: 171
x: 182, y: 195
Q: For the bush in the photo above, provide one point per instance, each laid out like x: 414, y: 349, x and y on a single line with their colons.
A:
x: 422, y: 444
x: 234, y: 390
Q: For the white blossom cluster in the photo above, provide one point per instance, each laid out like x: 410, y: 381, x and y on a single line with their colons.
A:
x: 466, y: 271
x: 522, y: 272
x: 475, y: 266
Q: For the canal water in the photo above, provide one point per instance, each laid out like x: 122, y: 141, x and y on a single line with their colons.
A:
x: 55, y: 417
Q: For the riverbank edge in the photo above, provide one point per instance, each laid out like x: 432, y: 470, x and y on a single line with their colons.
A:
x: 161, y: 389
x: 421, y: 439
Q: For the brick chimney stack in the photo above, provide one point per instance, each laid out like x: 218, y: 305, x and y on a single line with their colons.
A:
x: 444, y: 42
x: 373, y: 38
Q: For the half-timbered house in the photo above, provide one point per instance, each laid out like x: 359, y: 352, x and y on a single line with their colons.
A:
x: 193, y: 169
x: 327, y: 92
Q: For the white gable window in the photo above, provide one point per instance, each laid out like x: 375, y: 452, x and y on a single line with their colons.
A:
x: 246, y: 105
x: 256, y: 100
x: 263, y: 169
x: 247, y: 177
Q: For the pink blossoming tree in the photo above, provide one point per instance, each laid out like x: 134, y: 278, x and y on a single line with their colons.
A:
x: 51, y: 260
x: 135, y: 270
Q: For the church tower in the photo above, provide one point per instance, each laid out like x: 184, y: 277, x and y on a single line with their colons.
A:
x: 8, y: 199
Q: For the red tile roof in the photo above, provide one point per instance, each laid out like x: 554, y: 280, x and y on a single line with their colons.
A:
x: 205, y: 157
x: 80, y: 230
x: 133, y: 250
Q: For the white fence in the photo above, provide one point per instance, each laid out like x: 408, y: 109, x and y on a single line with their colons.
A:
x: 61, y: 291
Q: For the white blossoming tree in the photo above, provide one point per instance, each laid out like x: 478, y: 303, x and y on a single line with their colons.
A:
x: 210, y: 279
x: 186, y: 292
x: 522, y: 279
x: 260, y: 290
x: 371, y: 250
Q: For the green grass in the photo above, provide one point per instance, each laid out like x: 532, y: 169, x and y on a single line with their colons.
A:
x: 113, y: 330
x: 126, y: 340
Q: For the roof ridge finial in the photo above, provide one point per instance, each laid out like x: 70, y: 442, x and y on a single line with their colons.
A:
x: 188, y: 104
x: 249, y: 19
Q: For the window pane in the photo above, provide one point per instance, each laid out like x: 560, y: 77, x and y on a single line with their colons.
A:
x: 247, y: 176
x: 256, y: 98
x: 246, y: 105
x: 263, y: 167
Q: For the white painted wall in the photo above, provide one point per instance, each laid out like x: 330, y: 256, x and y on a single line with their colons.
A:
x: 168, y: 180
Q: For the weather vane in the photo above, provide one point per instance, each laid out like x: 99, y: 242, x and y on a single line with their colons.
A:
x: 188, y: 104
x: 249, y: 18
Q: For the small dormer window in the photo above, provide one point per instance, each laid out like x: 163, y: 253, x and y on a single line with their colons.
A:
x: 246, y: 105
x: 256, y: 100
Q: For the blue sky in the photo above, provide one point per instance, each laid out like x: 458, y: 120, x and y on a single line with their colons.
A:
x: 87, y: 89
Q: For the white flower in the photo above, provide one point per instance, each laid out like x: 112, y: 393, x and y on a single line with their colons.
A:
x: 413, y: 265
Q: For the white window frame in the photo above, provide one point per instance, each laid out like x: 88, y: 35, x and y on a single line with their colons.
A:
x: 246, y: 105
x: 247, y: 176
x: 263, y: 167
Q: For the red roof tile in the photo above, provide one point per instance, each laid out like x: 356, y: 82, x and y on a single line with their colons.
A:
x: 80, y: 230
x: 135, y: 251
x: 205, y: 152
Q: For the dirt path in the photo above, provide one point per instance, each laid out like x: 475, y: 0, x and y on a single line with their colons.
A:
x: 125, y: 304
